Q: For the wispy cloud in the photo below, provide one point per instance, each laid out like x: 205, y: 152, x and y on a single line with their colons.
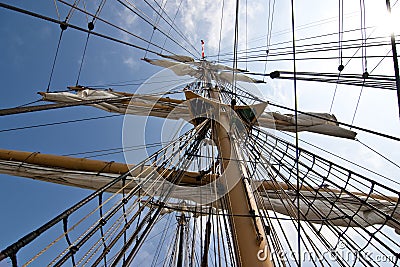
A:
x: 131, y: 62
x: 202, y: 20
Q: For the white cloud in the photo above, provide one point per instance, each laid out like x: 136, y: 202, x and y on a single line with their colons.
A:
x: 131, y: 62
x: 127, y: 20
x: 202, y: 20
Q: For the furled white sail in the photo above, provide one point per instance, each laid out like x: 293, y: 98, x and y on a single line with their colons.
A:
x: 332, y: 205
x: 220, y: 72
x: 339, y: 213
x: 322, y: 123
x: 146, y: 105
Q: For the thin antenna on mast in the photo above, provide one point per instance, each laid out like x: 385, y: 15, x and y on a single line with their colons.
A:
x: 202, y: 49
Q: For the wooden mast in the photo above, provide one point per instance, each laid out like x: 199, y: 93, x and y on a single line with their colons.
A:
x: 248, y: 232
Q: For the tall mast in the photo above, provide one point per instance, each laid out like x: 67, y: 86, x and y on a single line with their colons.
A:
x: 247, y: 231
x: 181, y: 225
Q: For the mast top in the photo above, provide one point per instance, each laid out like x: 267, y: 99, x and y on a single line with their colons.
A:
x: 202, y: 49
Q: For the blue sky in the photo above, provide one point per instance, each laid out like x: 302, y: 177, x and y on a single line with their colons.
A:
x: 27, y: 51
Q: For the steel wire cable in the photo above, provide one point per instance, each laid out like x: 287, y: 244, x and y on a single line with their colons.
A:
x: 172, y: 24
x: 117, y: 27
x: 137, y: 11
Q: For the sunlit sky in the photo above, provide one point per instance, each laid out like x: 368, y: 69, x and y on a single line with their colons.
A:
x: 28, y: 47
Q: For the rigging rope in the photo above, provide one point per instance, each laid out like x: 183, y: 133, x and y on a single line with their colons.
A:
x: 220, y: 29
x: 90, y: 28
x: 346, y: 160
x: 33, y: 14
x: 117, y: 27
x: 55, y: 56
x: 172, y: 24
x: 269, y: 32
x: 58, y: 123
x: 341, y: 67
x: 363, y: 55
x: 133, y: 9
x: 297, y: 134
x: 381, y: 155
x: 286, y: 168
x: 154, y: 28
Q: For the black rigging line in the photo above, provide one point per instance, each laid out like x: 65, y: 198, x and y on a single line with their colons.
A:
x: 152, y: 24
x: 30, y: 103
x: 246, y: 53
x: 269, y: 31
x: 235, y: 47
x: 83, y: 58
x: 303, y: 58
x: 263, y: 47
x: 334, y: 92
x: 56, y: 55
x: 351, y: 43
x: 220, y: 29
x: 306, y: 37
x: 63, y: 26
x: 13, y: 249
x: 363, y: 55
x: 358, y: 100
x: 395, y: 59
x: 376, y: 152
x: 297, y: 137
x: 309, y: 25
x: 152, y: 33
x: 363, y: 36
x: 161, y: 243
x: 377, y: 81
x: 172, y: 24
x: 58, y: 123
x: 339, y: 157
x: 341, y: 67
x: 169, y: 31
x: 380, y: 78
x: 117, y: 27
x: 90, y: 28
x: 285, y: 152
x: 321, y: 47
x: 340, y: 32
x: 102, y: 220
x: 36, y: 15
x: 120, y: 149
x: 380, y: 61
x: 313, y: 48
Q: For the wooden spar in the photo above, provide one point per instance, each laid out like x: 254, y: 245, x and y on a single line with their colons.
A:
x: 248, y: 233
x: 64, y: 162
x: 189, y: 178
x: 89, y: 165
